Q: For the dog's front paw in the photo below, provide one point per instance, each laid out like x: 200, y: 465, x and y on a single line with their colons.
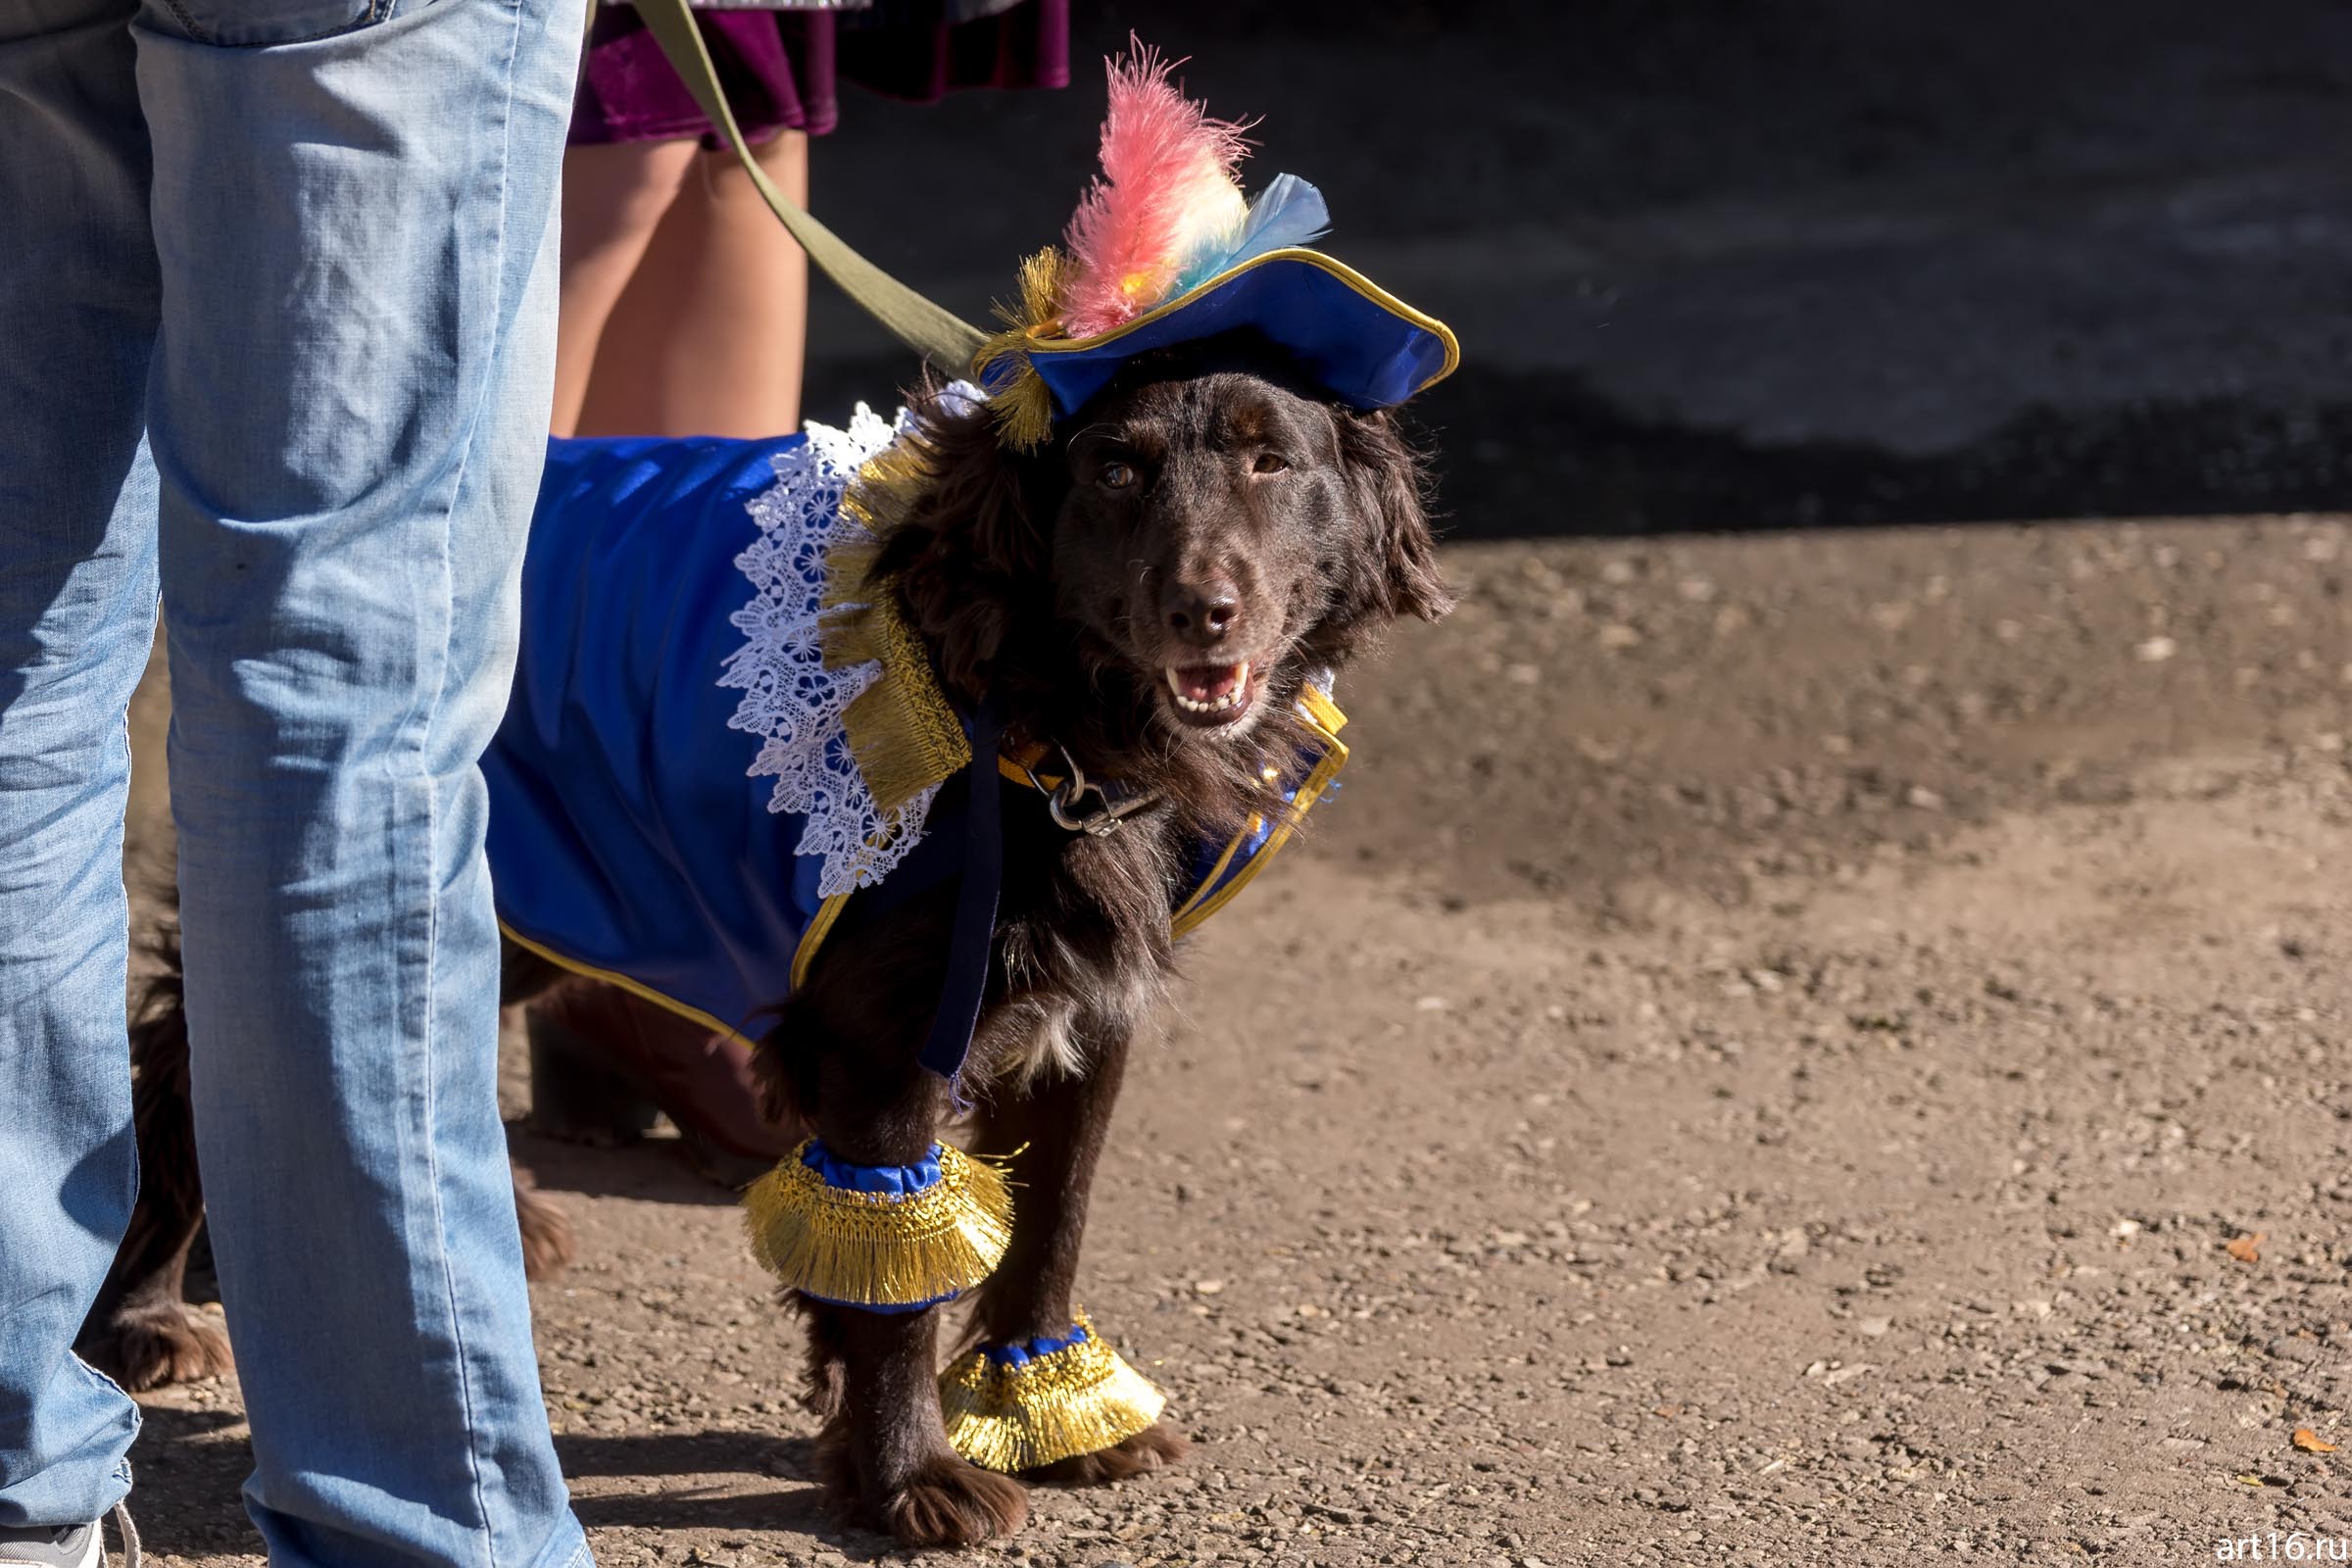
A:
x: 144, y: 1348
x: 1155, y: 1447
x: 949, y: 1502
x: 548, y: 1246
x: 943, y: 1502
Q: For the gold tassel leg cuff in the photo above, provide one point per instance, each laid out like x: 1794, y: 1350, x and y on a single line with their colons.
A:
x: 880, y: 1237
x: 1017, y: 1407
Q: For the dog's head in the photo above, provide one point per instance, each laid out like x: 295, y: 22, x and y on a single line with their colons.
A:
x: 1192, y: 543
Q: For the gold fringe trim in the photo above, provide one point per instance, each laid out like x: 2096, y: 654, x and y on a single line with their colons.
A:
x: 889, y: 484
x: 1081, y: 1399
x: 902, y: 730
x: 1023, y: 405
x: 870, y: 1250
x: 849, y: 562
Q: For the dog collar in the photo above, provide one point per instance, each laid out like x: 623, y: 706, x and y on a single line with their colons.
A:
x: 1067, y: 792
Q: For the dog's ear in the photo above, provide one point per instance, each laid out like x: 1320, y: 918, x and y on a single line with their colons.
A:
x: 1387, y: 485
x: 974, y: 547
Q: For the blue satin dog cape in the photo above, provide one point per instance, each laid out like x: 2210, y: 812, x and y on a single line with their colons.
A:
x: 624, y: 837
x: 669, y: 660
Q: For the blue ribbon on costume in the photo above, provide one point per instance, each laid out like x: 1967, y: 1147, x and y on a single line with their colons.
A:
x: 974, y: 941
x: 889, y: 1181
x: 1021, y: 1352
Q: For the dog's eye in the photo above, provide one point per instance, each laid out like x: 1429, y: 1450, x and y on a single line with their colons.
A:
x: 1116, y: 476
x: 1269, y: 463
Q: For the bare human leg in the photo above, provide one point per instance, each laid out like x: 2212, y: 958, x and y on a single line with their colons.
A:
x: 615, y: 198
x: 709, y: 334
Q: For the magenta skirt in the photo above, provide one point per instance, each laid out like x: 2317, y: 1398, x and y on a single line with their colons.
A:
x: 780, y: 68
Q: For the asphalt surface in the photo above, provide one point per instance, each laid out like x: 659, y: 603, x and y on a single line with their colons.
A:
x: 1795, y: 263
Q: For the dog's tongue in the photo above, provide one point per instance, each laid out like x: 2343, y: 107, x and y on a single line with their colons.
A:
x: 1205, y: 683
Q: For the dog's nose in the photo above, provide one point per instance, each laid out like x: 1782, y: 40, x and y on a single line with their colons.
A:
x: 1201, y: 613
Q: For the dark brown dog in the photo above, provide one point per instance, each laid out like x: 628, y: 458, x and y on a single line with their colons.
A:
x: 1148, y: 592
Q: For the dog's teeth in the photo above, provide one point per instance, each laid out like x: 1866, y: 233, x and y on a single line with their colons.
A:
x: 1232, y: 697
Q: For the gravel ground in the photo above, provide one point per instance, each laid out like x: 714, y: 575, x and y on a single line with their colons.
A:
x: 1764, y: 1063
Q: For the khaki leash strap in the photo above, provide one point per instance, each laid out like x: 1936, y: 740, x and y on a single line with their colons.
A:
x: 948, y: 342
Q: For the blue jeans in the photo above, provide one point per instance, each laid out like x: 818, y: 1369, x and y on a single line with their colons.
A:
x: 276, y: 338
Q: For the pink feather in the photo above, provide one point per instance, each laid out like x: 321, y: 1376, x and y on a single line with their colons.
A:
x: 1166, y: 189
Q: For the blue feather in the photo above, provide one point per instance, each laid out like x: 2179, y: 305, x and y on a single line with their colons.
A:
x: 1288, y: 212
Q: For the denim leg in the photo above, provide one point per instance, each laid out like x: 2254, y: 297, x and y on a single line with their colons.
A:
x: 348, y: 415
x: 77, y: 307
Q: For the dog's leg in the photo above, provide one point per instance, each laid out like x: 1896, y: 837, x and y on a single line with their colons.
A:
x: 885, y: 1454
x: 1063, y: 1122
x: 141, y: 1330
x: 524, y: 974
x: 548, y: 1243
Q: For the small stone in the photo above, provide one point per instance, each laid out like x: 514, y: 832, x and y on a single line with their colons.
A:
x: 2156, y: 650
x: 1207, y: 1287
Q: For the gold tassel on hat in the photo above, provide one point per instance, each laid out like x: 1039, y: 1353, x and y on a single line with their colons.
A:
x: 1022, y: 403
x: 876, y: 1250
x: 1014, y: 1417
x: 1023, y: 407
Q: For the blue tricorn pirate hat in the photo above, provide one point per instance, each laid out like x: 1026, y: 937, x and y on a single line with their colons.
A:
x: 1164, y: 249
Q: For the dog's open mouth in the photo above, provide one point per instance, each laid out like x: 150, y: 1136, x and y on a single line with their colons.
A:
x: 1210, y: 695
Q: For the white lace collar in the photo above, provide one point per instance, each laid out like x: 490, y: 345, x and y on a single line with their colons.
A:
x: 790, y: 699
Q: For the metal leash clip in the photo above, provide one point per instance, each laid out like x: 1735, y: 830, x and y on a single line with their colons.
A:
x: 1063, y: 803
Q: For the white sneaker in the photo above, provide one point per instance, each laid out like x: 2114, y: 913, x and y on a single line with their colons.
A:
x: 72, y: 1547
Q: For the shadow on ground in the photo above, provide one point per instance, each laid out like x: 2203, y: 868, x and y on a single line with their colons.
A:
x: 653, y: 1171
